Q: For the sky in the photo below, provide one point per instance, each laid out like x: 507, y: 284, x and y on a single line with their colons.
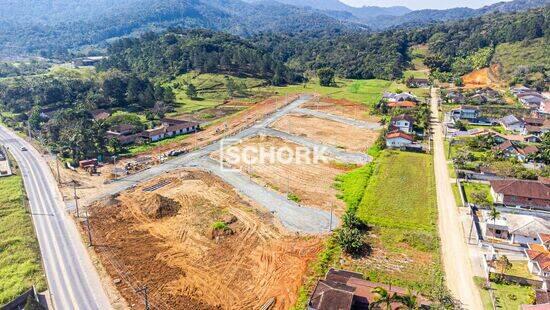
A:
x: 423, y: 4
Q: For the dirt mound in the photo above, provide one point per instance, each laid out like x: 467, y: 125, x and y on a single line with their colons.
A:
x: 157, y: 206
x: 486, y: 77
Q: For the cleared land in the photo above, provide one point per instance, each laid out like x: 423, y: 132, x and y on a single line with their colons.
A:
x: 310, y: 184
x: 19, y: 253
x: 342, y: 107
x: 198, y: 245
x: 333, y: 133
x: 399, y: 203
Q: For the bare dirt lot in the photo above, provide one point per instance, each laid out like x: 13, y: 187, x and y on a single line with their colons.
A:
x: 333, y: 133
x: 342, y: 107
x: 197, y: 245
x: 486, y: 77
x: 310, y: 182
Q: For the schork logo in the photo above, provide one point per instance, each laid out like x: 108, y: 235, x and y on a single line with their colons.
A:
x: 235, y: 155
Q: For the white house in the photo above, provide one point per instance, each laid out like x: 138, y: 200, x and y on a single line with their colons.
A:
x: 512, y: 123
x: 403, y: 123
x: 515, y: 228
x: 391, y: 97
x: 465, y: 112
x: 398, y: 139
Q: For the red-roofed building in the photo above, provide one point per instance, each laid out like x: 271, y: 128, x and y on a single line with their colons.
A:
x: 402, y: 104
x: 398, y: 139
x: 521, y: 193
x: 539, y: 258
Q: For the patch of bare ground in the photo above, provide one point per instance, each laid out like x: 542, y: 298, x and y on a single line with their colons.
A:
x: 329, y: 132
x: 197, y: 244
x: 342, y: 107
x: 311, y: 182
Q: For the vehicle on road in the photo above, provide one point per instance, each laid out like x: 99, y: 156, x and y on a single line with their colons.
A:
x: 23, y: 148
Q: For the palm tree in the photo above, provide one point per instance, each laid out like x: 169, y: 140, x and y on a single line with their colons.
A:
x: 383, y: 297
x: 494, y: 214
x: 408, y: 301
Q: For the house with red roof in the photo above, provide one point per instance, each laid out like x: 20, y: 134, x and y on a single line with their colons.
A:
x: 539, y: 257
x: 407, y: 104
x: 398, y: 139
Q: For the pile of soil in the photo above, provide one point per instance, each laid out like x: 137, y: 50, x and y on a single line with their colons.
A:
x: 157, y: 206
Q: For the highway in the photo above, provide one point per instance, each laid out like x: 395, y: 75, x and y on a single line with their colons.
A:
x: 73, y: 281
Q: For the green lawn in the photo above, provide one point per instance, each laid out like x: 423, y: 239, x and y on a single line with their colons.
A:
x: 399, y: 204
x: 419, y: 92
x: 470, y: 188
x: 212, y: 90
x: 19, y: 253
x: 364, y: 91
x: 507, y: 296
x: 520, y: 269
x: 456, y: 194
x: 134, y: 150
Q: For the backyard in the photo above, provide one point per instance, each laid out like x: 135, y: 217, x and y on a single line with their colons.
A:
x: 19, y: 253
x: 507, y: 296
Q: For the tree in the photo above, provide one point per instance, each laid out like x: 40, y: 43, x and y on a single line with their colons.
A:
x: 350, y: 239
x: 350, y: 220
x: 383, y: 299
x: 494, y: 214
x: 408, y: 301
x: 114, y: 145
x: 503, y: 264
x: 326, y: 76
x: 35, y: 119
x: 479, y: 198
x: 191, y: 91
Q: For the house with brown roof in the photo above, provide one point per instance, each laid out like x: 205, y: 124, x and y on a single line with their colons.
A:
x: 124, y: 133
x: 407, y: 104
x: 402, y: 123
x: 170, y: 128
x: 521, y: 193
x: 345, y: 290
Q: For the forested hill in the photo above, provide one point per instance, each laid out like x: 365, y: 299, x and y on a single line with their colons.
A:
x: 179, y: 51
x: 53, y: 27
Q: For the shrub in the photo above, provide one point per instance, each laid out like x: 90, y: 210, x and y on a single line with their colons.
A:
x: 219, y: 225
x: 293, y: 197
x: 350, y: 239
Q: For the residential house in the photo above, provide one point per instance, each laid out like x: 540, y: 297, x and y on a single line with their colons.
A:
x: 392, y: 97
x: 406, y: 104
x: 512, y: 149
x: 87, y: 61
x: 125, y: 134
x: 455, y: 97
x: 515, y: 229
x: 521, y: 193
x: 544, y: 108
x: 402, y: 123
x: 536, y: 126
x: 346, y: 290
x: 539, y: 256
x: 465, y: 112
x: 512, y: 123
x: 477, y: 99
x: 531, y: 100
x: 398, y: 139
x: 417, y: 82
x: 170, y: 128
x: 520, y: 89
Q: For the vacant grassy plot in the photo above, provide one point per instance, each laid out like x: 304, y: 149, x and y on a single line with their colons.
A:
x: 212, y: 90
x: 528, y: 53
x: 365, y: 91
x: 470, y: 188
x: 520, y: 269
x: 19, y: 254
x: 418, y: 92
x: 507, y: 296
x: 399, y: 203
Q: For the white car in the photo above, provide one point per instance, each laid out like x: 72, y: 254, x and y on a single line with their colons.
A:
x: 23, y: 148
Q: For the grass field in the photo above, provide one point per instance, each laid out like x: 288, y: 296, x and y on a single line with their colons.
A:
x: 399, y: 204
x: 19, y: 254
x: 470, y: 188
x: 507, y: 296
x: 212, y: 90
x: 365, y: 91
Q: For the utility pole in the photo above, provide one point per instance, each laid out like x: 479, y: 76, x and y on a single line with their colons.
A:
x: 330, y: 222
x: 144, y: 290
x: 75, y: 199
x: 114, y: 167
x: 88, y: 229
x: 57, y: 167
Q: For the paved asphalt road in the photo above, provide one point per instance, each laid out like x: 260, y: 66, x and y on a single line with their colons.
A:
x: 456, y: 260
x: 72, y: 279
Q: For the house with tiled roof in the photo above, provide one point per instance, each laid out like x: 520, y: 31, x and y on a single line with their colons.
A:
x: 346, y: 290
x: 518, y: 229
x: 521, y: 193
x: 512, y: 149
x: 406, y: 104
x: 512, y: 123
x: 539, y: 257
x: 402, y: 122
x: 465, y: 112
x: 398, y: 139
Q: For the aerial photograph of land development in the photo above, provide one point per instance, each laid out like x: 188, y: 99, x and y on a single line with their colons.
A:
x: 274, y: 154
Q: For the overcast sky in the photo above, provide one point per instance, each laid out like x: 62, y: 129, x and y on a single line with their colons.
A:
x: 423, y: 4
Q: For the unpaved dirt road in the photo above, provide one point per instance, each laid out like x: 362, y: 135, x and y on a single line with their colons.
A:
x: 458, y: 270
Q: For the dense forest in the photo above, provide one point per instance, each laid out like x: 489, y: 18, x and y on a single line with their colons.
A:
x: 180, y: 51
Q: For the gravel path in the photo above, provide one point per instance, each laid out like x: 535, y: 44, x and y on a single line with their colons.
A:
x: 340, y: 119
